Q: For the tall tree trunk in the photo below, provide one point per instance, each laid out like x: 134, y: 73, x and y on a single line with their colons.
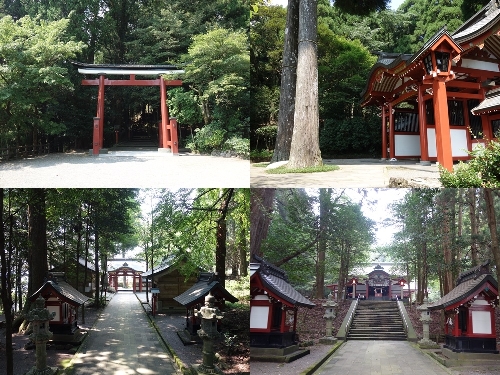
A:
x: 288, y: 84
x: 474, y: 228
x: 324, y: 199
x: 242, y: 247
x: 304, y: 149
x: 6, y: 291
x: 97, y: 301
x: 492, y: 224
x: 220, y: 251
x: 37, y: 240
x: 445, y: 201
x: 261, y: 207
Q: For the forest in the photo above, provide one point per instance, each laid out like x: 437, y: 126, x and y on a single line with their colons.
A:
x: 45, y: 228
x: 348, y: 44
x: 321, y: 236
x: 42, y: 102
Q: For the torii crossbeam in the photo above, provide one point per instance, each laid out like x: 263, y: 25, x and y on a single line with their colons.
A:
x: 168, y: 137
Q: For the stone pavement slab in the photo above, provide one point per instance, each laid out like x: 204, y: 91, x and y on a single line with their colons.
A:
x: 354, y: 173
x: 122, y: 342
x: 380, y: 358
x: 126, y: 169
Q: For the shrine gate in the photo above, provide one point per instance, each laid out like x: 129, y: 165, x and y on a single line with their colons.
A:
x: 441, y: 102
x: 125, y: 270
x: 168, y: 136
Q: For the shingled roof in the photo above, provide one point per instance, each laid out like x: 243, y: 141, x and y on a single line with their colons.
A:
x: 206, y: 283
x: 467, y: 289
x: 62, y: 290
x: 491, y: 103
x: 276, y: 280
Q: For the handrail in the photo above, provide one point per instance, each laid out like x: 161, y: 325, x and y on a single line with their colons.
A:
x: 351, y: 316
x: 408, y: 327
x: 346, y: 323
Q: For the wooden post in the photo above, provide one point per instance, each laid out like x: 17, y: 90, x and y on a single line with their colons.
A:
x: 392, y: 152
x: 95, y: 136
x: 424, y: 146
x: 100, y: 110
x: 164, y: 114
x: 443, y: 137
x: 384, y: 133
x: 174, y: 136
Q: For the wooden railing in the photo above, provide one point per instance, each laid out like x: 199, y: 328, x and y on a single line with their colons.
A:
x: 8, y: 153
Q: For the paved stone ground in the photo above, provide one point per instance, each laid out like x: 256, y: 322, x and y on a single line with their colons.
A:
x: 122, y: 342
x: 355, y: 173
x: 121, y: 169
x: 380, y: 358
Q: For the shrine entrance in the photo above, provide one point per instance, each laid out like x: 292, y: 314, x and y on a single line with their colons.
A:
x: 125, y: 271
x: 168, y: 135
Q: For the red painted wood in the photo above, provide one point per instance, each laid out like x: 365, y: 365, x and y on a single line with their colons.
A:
x: 443, y: 137
x: 424, y: 146
x: 130, y: 82
x: 384, y: 133
x: 392, y: 151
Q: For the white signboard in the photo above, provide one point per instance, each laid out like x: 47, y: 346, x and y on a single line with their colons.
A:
x: 259, y: 316
x: 481, y: 322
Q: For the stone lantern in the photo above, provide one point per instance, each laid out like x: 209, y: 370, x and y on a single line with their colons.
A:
x: 330, y: 314
x: 39, y: 317
x: 425, y: 318
x: 209, y: 315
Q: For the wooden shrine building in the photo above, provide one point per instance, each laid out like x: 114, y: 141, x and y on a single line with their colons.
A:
x: 470, y: 312
x: 379, y: 285
x: 170, y: 282
x: 194, y: 298
x: 273, y: 306
x: 62, y: 299
x: 443, y: 101
x: 79, y: 274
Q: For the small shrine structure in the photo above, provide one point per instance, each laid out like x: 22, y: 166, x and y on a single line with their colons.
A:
x: 379, y: 285
x: 85, y: 271
x: 168, y: 138
x: 194, y: 298
x: 63, y: 300
x: 273, y: 313
x: 441, y: 102
x: 170, y: 283
x: 470, y: 312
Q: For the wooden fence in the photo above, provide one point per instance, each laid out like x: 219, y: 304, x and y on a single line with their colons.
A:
x: 20, y: 152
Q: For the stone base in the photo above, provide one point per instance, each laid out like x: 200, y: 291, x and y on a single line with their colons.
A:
x: 288, y: 354
x: 47, y: 371
x: 450, y: 358
x: 328, y: 340
x: 74, y: 339
x: 428, y: 344
x: 101, y: 151
x: 189, y: 339
x: 425, y: 163
x: 200, y: 369
x: 166, y: 151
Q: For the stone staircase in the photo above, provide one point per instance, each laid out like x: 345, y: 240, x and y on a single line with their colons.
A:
x: 377, y: 320
x: 138, y: 142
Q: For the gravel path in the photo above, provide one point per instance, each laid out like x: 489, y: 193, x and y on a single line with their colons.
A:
x: 121, y: 169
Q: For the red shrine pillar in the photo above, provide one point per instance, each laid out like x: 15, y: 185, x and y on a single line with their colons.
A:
x: 164, y: 114
x: 443, y: 137
x: 140, y: 283
x: 384, y: 133
x: 133, y: 283
x: 100, y: 112
x: 392, y: 151
x: 424, y: 146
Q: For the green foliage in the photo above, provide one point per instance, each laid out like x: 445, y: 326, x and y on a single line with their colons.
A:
x: 240, y: 146
x: 361, y: 7
x: 217, y: 71
x: 314, y: 169
x: 31, y: 76
x: 260, y: 155
x: 267, y: 134
x: 240, y: 288
x: 184, y: 105
x: 209, y: 137
x: 483, y: 170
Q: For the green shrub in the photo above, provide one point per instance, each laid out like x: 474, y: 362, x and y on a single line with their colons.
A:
x: 209, y: 137
x: 261, y: 155
x: 483, y: 170
x: 240, y: 146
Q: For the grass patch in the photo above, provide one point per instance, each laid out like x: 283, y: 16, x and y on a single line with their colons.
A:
x: 318, y: 168
x: 261, y: 164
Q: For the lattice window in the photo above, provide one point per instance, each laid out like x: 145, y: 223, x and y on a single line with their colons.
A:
x: 495, y: 127
x: 429, y: 112
x: 456, y: 112
x: 475, y: 124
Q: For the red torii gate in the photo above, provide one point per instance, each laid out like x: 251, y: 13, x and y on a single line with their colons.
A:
x: 168, y: 137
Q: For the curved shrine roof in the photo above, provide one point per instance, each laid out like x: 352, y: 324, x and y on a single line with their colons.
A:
x: 275, y: 280
x: 206, y: 283
x: 63, y: 290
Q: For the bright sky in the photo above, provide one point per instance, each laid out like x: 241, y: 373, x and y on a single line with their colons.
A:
x: 394, y: 3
